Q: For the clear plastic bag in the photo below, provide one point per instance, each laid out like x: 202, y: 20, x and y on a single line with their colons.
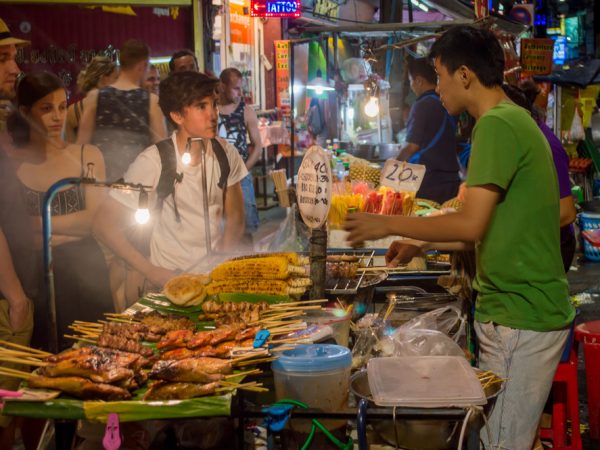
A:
x: 292, y: 235
x: 448, y: 320
x: 419, y: 342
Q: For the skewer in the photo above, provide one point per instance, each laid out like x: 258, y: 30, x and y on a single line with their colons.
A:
x: 121, y: 316
x: 80, y: 338
x: 28, y: 349
x: 249, y: 356
x: 287, y: 329
x: 300, y: 302
x: 88, y: 324
x: 252, y: 386
x: 14, y: 373
x: 281, y: 323
x: 287, y: 341
x: 283, y: 348
x: 292, y: 308
x: 257, y: 361
x: 276, y: 317
x: 248, y: 372
x: 28, y: 362
x: 17, y: 353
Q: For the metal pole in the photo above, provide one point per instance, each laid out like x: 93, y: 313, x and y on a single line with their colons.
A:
x: 205, y: 198
x: 47, y: 247
x: 292, y: 133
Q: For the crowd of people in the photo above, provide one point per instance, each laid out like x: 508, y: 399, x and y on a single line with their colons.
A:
x: 127, y: 125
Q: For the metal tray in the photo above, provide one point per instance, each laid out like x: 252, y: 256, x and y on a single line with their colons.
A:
x: 349, y: 286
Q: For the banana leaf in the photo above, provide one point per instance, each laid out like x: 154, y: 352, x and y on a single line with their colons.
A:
x: 59, y: 408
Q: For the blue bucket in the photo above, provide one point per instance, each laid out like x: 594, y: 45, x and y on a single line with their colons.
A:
x: 589, y: 221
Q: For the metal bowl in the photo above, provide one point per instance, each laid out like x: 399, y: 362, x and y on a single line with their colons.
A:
x: 416, y: 434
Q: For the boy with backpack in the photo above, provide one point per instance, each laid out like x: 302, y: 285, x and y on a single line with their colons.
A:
x: 177, y: 239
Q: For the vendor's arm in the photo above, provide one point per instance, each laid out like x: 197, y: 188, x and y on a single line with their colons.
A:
x: 110, y: 225
x: 255, y: 147
x: 234, y: 217
x: 568, y: 213
x: 467, y: 225
x: 79, y: 224
x: 407, y: 151
x: 11, y: 288
x: 402, y: 251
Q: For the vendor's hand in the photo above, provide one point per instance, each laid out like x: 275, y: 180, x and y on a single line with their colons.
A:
x: 365, y: 227
x: 401, y: 252
x: 17, y: 314
x: 158, y: 276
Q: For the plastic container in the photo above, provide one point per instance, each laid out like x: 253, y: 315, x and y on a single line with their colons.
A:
x: 337, y: 318
x: 318, y: 375
x: 590, y: 221
x: 424, y: 382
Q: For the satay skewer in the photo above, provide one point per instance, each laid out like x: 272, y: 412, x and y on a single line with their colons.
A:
x: 80, y: 338
x: 300, y: 302
x: 25, y: 362
x: 42, y: 353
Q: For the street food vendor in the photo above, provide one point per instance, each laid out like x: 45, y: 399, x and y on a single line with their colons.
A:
x: 177, y: 241
x: 510, y: 217
x: 431, y: 135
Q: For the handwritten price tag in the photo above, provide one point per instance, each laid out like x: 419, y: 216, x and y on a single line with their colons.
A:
x: 402, y: 176
x: 314, y: 187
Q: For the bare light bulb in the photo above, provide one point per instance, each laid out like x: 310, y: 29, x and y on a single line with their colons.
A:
x: 142, y: 216
x: 186, y: 158
x: 372, y: 107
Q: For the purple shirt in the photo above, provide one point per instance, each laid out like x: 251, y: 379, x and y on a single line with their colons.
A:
x: 561, y: 161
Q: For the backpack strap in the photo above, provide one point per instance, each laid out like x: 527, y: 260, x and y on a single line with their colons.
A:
x: 168, y: 174
x: 223, y: 162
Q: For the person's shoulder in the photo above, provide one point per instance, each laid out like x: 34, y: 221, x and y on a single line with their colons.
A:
x: 229, y: 149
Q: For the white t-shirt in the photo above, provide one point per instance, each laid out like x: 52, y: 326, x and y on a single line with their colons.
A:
x: 181, y: 245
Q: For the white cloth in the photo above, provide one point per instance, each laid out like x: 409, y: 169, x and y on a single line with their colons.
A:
x: 181, y: 245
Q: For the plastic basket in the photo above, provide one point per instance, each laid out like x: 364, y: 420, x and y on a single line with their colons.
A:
x: 589, y: 221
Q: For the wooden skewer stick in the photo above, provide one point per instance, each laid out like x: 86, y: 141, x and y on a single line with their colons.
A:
x: 17, y: 353
x: 288, y: 340
x: 290, y: 309
x: 28, y: 349
x: 119, y: 320
x: 88, y: 324
x: 252, y: 386
x: 246, y: 373
x: 121, y: 316
x: 248, y: 356
x: 25, y: 362
x: 14, y: 373
x: 80, y: 338
x: 277, y: 317
x: 300, y: 302
x: 283, y: 348
x: 256, y: 361
x: 287, y: 329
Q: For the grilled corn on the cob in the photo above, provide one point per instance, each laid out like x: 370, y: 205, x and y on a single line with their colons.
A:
x: 253, y: 286
x: 292, y: 257
x: 269, y: 268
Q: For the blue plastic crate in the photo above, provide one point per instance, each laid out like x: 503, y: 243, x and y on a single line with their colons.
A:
x: 588, y: 221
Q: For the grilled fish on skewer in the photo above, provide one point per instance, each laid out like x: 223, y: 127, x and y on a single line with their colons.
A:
x: 128, y: 360
x: 179, y: 391
x: 80, y: 387
x: 185, y: 370
x: 96, y: 369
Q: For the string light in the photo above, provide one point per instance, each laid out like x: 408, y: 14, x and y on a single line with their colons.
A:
x: 142, y: 215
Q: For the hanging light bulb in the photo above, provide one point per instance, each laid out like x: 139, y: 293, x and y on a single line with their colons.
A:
x: 372, y: 107
x: 142, y: 215
x: 186, y: 158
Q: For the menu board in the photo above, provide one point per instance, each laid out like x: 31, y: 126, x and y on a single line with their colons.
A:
x: 313, y: 189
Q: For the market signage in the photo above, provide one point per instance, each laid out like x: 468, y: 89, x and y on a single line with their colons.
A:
x: 536, y: 56
x: 313, y: 190
x: 402, y: 176
x: 481, y: 8
x: 275, y: 8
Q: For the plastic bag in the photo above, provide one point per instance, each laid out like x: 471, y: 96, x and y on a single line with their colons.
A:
x: 576, y: 133
x: 292, y: 235
x: 447, y: 320
x: 418, y: 342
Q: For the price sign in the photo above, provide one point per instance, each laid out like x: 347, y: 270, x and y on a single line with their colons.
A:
x: 314, y: 187
x: 402, y: 176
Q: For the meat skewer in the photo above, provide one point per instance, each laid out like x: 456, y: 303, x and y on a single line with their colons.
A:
x: 92, y: 368
x: 80, y: 387
x: 119, y: 343
x: 179, y: 391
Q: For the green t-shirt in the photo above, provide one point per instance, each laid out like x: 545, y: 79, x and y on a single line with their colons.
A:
x: 520, y: 277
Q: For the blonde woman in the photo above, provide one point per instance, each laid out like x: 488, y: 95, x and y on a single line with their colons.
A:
x: 100, y: 72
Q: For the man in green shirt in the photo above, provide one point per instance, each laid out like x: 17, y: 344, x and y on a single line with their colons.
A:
x: 511, y: 218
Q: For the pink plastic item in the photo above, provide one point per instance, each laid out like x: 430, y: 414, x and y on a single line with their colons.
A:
x: 112, y: 435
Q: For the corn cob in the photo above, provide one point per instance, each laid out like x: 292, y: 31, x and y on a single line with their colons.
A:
x: 299, y: 282
x: 292, y: 257
x: 253, y: 286
x: 270, y: 268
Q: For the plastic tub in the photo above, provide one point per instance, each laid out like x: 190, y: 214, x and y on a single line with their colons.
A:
x: 590, y: 221
x: 337, y: 318
x: 318, y: 375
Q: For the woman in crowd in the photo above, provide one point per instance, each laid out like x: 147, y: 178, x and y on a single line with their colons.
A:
x: 42, y: 158
x: 100, y: 72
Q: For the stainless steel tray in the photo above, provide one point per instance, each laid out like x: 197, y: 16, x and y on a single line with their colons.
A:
x: 349, y: 286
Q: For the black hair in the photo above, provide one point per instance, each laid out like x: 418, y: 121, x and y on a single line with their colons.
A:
x: 421, y: 67
x: 180, y: 54
x: 475, y: 48
x: 524, y: 98
x: 31, y: 88
x: 181, y: 89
